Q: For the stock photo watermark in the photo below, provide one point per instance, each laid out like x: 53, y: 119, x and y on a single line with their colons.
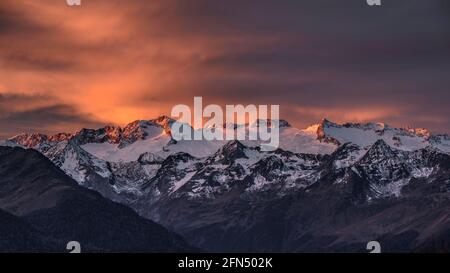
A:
x: 73, y: 3
x: 373, y: 2
x: 262, y: 129
x: 78, y: 2
x: 374, y: 247
x: 74, y: 247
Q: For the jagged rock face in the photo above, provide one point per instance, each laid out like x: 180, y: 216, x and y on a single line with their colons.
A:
x: 281, y: 123
x: 229, y: 153
x: 110, y: 134
x: 339, y: 211
x: 143, y: 129
x: 132, y: 132
x: 149, y: 158
x: 282, y: 200
x: 323, y: 136
x: 382, y: 165
x: 166, y: 122
x: 32, y: 140
x: 269, y: 166
x: 173, y: 169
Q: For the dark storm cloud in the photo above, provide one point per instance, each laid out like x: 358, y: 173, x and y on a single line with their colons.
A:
x: 39, y: 113
x: 324, y: 54
x: 13, y: 21
x: 24, y: 61
x: 51, y: 115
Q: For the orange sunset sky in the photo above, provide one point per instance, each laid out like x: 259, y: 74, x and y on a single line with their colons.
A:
x: 112, y: 61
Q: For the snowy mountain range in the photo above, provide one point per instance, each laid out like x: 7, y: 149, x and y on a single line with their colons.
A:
x: 329, y: 187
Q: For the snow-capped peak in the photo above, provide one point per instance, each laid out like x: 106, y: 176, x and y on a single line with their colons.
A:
x: 29, y: 140
x: 366, y: 134
x: 230, y: 152
x: 35, y: 139
x: 281, y: 123
x: 164, y: 121
x: 115, y: 143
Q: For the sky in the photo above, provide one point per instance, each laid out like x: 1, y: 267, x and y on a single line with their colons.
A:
x: 111, y: 61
